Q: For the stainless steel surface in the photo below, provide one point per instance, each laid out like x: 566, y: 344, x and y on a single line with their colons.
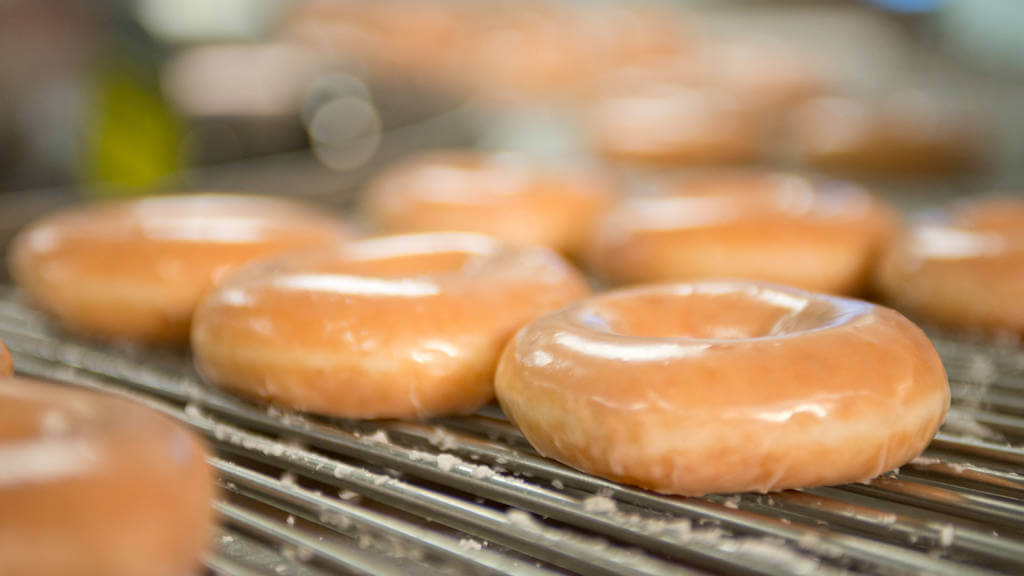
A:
x: 309, y: 495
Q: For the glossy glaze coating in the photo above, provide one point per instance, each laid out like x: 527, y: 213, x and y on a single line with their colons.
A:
x: 719, y: 387
x: 905, y: 136
x: 653, y: 123
x: 967, y: 272
x: 392, y: 327
x: 92, y: 485
x: 503, y: 195
x: 134, y: 270
x: 6, y: 366
x: 817, y: 235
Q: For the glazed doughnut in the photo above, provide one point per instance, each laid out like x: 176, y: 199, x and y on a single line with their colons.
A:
x: 717, y: 387
x: 503, y: 195
x: 967, y: 273
x: 134, y: 270
x: 772, y: 78
x: 903, y: 136
x: 6, y: 366
x: 392, y: 327
x: 655, y: 123
x: 97, y: 486
x: 396, y: 38
x: 815, y: 234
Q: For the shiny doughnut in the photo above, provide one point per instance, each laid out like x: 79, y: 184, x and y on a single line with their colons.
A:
x: 503, y: 195
x: 391, y: 327
x: 815, y: 234
x: 903, y: 136
x: 93, y: 485
x: 134, y: 270
x: 966, y: 273
x: 717, y: 387
x: 653, y: 123
x: 6, y: 366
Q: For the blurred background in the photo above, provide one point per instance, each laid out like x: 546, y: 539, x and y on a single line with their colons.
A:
x: 308, y: 98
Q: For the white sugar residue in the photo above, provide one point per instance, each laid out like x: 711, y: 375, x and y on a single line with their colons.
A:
x: 381, y: 479
x: 808, y: 540
x: 347, y: 495
x: 558, y: 484
x: 521, y: 519
x: 281, y: 568
x: 964, y: 425
x: 442, y: 439
x: 482, y: 472
x: 469, y: 544
x: 732, y: 502
x: 193, y: 411
x: 420, y: 456
x: 342, y: 471
x: 679, y: 529
x: 946, y: 534
x: 775, y: 551
x: 290, y: 520
x: 227, y: 539
x: 981, y: 370
x: 378, y: 437
x: 288, y: 477
x: 924, y: 461
x: 447, y: 462
x: 599, y: 505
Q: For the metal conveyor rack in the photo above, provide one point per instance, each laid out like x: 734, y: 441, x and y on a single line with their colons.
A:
x: 303, y: 495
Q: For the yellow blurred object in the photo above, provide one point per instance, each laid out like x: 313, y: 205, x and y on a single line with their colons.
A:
x: 133, y: 139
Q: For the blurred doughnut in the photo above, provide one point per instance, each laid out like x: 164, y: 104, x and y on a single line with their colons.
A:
x: 966, y: 273
x: 902, y: 136
x: 672, y: 124
x: 815, y: 234
x: 510, y: 197
x: 98, y: 485
x: 134, y: 270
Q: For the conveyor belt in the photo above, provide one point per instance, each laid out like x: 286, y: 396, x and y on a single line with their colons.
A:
x: 307, y: 495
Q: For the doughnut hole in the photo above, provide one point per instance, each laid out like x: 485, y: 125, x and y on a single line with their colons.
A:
x: 718, y: 315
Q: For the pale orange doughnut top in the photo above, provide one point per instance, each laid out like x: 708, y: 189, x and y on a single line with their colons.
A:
x: 98, y: 486
x: 815, y: 234
x: 964, y: 273
x: 503, y: 195
x: 673, y: 124
x: 903, y: 136
x: 719, y: 387
x: 6, y: 366
x: 134, y: 270
x: 392, y: 327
